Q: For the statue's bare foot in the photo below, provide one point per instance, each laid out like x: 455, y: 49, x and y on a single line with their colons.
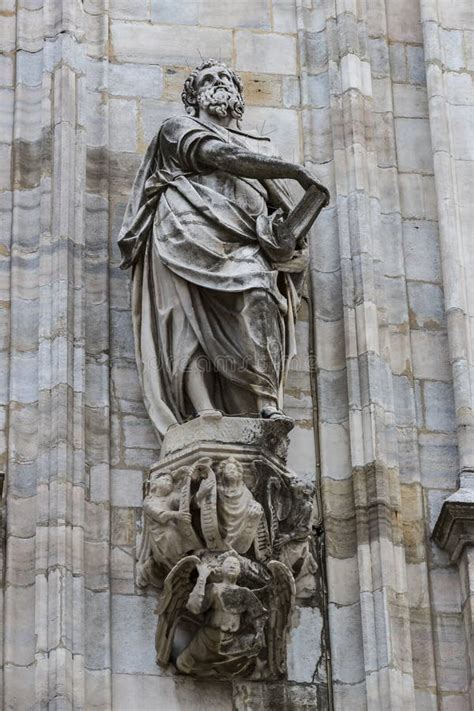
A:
x: 270, y: 412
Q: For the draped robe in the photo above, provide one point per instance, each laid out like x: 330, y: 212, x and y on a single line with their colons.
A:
x: 204, y: 285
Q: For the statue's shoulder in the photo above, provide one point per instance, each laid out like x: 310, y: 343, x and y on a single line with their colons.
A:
x: 178, y: 123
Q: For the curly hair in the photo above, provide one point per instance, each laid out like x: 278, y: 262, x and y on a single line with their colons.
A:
x: 189, y: 93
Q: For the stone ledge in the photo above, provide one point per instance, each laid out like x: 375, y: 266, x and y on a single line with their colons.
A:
x: 454, y: 528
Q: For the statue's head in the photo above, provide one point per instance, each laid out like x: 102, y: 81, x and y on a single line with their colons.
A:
x: 163, y: 485
x: 215, y: 89
x: 231, y: 470
x: 231, y: 568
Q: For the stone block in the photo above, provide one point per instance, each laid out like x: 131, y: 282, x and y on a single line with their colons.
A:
x: 410, y: 101
x: 168, y: 12
x: 453, y: 674
x: 284, y: 17
x: 265, y: 90
x: 416, y: 64
x: 346, y: 643
x: 122, y: 124
x: 335, y: 450
x: 438, y: 401
x: 138, y: 42
x: 266, y: 53
x: 97, y: 689
x: 398, y: 62
x: 379, y: 56
x: 318, y: 135
x: 139, y: 433
x: 6, y: 70
x: 142, y: 691
x: 459, y: 88
x: 5, y: 166
x: 404, y: 401
x: 411, y: 195
x: 21, y: 554
x: 127, y: 487
x: 452, y: 49
x: 154, y: 113
x: 403, y: 21
x: 304, y: 644
x: 122, y: 567
x: 97, y: 632
x: 317, y: 87
x: 343, y: 580
x: 19, y: 632
x: 422, y: 258
x: 228, y: 13
x: 8, y: 33
x: 97, y: 566
x: 446, y: 590
x: 96, y: 119
x: 316, y: 52
x: 426, y: 306
x: 430, y: 356
x: 125, y: 10
x: 135, y: 80
x: 333, y: 402
x: 461, y: 131
x: 133, y: 642
x: 439, y: 460
x: 351, y: 696
x: 414, y: 149
x: 281, y: 124
x: 19, y: 687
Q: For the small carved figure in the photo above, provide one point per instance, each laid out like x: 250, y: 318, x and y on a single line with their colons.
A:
x: 241, y: 630
x: 169, y: 528
x: 238, y: 514
x: 293, y: 542
x: 232, y: 635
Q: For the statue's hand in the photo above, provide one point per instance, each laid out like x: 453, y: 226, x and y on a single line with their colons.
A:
x: 203, y: 571
x: 306, y: 180
x: 255, y: 510
x: 183, y: 516
x: 204, y: 489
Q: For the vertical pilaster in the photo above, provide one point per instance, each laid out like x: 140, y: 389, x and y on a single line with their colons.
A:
x: 447, y: 33
x: 44, y: 598
x: 361, y: 482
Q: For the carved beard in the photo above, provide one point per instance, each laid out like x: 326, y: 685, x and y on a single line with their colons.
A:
x: 219, y: 101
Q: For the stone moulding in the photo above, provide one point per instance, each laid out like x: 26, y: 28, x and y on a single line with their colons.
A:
x: 227, y: 543
x: 454, y: 528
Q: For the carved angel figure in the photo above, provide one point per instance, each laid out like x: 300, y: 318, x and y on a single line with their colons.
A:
x: 241, y: 631
x: 232, y: 635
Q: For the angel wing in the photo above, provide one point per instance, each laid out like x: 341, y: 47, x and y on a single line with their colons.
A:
x: 282, y: 597
x: 176, y: 590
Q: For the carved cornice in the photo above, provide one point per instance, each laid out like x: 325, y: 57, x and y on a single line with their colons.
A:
x: 454, y: 528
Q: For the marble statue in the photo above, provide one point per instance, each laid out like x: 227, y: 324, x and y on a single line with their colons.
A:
x: 218, y: 251
x: 218, y: 254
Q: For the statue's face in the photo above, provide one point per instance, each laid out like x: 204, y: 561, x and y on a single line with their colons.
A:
x: 233, y: 473
x: 231, y: 567
x: 163, y: 485
x: 218, y: 94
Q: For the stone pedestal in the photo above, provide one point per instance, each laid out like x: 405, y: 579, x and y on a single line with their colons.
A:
x: 227, y: 536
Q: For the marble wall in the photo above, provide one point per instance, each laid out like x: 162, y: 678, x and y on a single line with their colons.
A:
x: 375, y: 96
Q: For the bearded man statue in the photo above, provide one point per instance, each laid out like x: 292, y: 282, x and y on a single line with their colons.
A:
x: 215, y: 287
